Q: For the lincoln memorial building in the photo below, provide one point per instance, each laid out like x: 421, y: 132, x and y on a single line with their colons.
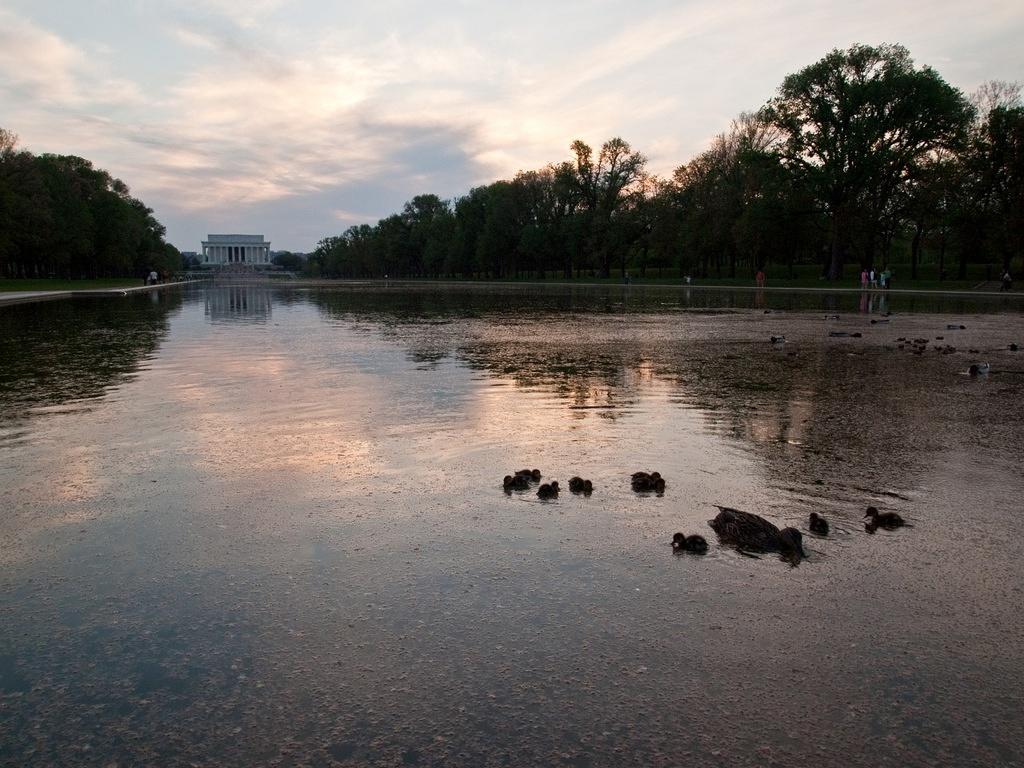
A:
x: 236, y: 249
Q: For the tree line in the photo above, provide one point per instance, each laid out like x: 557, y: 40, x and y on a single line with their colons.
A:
x: 860, y: 159
x: 61, y: 217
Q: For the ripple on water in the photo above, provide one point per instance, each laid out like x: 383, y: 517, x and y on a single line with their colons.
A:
x: 294, y: 498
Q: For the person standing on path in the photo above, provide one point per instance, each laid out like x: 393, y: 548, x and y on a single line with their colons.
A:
x: 864, y: 279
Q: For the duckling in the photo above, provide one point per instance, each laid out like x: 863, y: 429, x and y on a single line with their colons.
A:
x: 548, y: 490
x: 818, y: 524
x: 883, y: 519
x: 531, y: 474
x: 642, y: 481
x: 979, y: 369
x: 516, y: 483
x: 696, y: 544
x: 579, y: 485
x: 683, y: 543
x: 952, y: 327
x: 1014, y: 347
x: 745, y: 530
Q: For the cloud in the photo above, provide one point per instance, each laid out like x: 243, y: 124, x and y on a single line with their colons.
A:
x: 39, y: 67
x: 263, y: 113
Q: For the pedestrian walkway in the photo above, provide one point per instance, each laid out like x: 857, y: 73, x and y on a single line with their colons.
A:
x: 25, y: 297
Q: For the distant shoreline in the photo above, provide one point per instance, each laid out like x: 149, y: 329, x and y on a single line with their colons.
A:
x: 328, y: 282
x: 10, y: 297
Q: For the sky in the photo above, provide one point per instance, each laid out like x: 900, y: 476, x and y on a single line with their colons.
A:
x: 298, y: 119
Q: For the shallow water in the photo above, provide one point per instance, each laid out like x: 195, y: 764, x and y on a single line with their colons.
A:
x: 247, y: 526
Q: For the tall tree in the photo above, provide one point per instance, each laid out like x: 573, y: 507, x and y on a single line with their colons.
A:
x: 856, y: 124
x: 605, y: 188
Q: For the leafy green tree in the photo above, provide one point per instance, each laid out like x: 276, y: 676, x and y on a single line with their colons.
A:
x: 289, y: 261
x: 1001, y: 151
x: 856, y: 124
x: 60, y: 216
x: 605, y: 186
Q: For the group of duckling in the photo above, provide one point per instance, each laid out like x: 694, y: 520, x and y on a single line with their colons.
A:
x: 748, y: 532
x: 524, y: 479
x: 521, y: 480
x: 645, y: 482
x: 744, y: 531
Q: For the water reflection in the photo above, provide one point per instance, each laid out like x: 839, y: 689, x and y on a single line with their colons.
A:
x: 287, y: 542
x: 61, y: 352
x: 229, y: 303
x: 400, y: 302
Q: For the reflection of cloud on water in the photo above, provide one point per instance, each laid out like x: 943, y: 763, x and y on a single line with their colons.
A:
x: 267, y: 414
x: 77, y: 476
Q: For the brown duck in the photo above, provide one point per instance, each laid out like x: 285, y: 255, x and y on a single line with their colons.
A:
x: 747, y: 531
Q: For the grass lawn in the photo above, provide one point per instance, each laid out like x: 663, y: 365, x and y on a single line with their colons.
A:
x: 68, y: 285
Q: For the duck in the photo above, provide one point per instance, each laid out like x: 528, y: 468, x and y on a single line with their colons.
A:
x: 778, y: 339
x: 531, y: 474
x: 979, y: 369
x: 579, y: 485
x: 516, y: 482
x: 882, y: 520
x: 548, y: 490
x: 1014, y: 348
x: 643, y: 481
x: 745, y: 530
x: 695, y: 543
x: 818, y: 524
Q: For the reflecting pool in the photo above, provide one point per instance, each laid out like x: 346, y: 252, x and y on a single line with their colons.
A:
x: 260, y: 525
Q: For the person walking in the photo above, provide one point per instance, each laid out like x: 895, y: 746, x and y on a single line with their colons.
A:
x: 873, y: 278
x: 864, y: 279
x: 760, y: 278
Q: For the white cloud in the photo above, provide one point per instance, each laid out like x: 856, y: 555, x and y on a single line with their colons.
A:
x: 255, y: 104
x: 37, y: 66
